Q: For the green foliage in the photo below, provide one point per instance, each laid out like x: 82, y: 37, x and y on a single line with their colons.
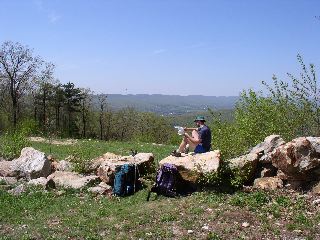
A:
x: 283, y: 201
x: 213, y: 236
x: 253, y: 200
x: 226, y: 178
x: 11, y: 144
x: 240, y: 176
x: 27, y: 127
x: 289, y: 109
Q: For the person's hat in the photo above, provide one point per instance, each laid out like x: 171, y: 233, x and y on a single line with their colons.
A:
x: 199, y: 118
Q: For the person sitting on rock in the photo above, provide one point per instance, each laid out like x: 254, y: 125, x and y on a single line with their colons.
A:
x: 199, y: 140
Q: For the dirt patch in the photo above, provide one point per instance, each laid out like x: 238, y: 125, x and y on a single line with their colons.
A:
x: 55, y: 142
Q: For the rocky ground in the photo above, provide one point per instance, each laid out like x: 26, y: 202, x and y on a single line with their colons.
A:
x: 42, y: 197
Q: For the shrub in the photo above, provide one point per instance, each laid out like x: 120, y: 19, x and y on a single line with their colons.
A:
x: 11, y: 144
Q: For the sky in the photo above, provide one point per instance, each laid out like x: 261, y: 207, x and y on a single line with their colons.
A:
x: 176, y: 47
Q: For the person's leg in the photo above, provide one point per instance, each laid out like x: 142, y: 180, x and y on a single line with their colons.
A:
x: 191, y: 146
x: 195, y: 134
x: 183, y: 145
x: 185, y: 142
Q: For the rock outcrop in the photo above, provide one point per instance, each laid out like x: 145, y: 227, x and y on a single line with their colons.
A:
x: 72, y: 179
x: 43, y: 182
x: 298, y: 159
x: 107, y: 164
x: 244, y: 166
x: 31, y: 164
x: 192, y: 166
x: 264, y: 149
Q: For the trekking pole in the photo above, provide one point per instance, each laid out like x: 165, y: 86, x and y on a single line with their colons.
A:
x: 135, y: 170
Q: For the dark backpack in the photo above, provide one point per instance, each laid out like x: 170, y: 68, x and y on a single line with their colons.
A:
x: 166, y: 181
x: 126, y: 180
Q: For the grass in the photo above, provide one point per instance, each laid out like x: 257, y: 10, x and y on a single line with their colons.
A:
x: 89, y: 149
x: 210, y: 215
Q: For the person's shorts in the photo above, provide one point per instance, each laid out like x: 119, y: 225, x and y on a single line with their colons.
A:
x: 199, y: 149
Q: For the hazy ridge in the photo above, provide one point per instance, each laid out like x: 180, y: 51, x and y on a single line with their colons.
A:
x: 169, y: 104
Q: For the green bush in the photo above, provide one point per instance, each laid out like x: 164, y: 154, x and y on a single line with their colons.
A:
x: 289, y: 109
x: 11, y: 144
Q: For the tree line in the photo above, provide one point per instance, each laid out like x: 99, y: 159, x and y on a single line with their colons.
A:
x: 31, y: 97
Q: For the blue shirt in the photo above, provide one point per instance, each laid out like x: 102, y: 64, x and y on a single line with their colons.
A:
x: 205, y: 136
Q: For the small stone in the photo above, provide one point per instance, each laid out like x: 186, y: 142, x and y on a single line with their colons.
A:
x: 149, y: 233
x: 316, y: 202
x: 209, y: 209
x: 245, y: 224
x: 60, y: 193
x: 18, y: 190
x: 190, y: 231
x: 104, y: 185
x: 50, y: 158
x: 205, y: 227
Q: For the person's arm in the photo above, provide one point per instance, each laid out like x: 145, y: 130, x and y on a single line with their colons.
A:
x: 189, y: 129
x: 194, y: 140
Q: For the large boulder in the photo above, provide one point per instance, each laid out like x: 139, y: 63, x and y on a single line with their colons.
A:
x: 264, y: 149
x: 95, y: 163
x: 244, y: 166
x: 72, y: 179
x: 108, y: 164
x: 299, y: 159
x: 31, y: 164
x: 192, y: 166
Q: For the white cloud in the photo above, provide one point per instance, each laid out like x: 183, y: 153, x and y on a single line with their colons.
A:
x: 53, y: 17
x: 159, y: 51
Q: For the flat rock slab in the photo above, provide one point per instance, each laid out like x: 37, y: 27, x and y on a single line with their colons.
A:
x: 43, y: 182
x: 72, y: 179
x: 106, y: 164
x: 192, y: 166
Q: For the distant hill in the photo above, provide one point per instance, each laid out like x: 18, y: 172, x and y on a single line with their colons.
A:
x: 169, y: 104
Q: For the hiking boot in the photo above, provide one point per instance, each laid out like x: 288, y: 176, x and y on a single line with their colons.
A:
x: 175, y: 153
x: 187, y: 149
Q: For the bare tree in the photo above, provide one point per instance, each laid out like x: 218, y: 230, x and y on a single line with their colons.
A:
x: 102, y: 104
x: 85, y: 108
x: 18, y: 66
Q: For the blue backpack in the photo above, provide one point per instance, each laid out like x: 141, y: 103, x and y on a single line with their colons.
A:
x: 166, y: 181
x: 126, y: 180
